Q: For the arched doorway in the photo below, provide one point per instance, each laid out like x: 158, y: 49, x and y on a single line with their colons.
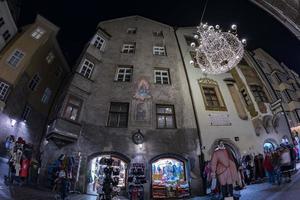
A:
x: 96, y: 167
x: 169, y: 177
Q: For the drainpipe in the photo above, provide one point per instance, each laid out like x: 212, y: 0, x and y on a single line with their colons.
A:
x: 193, y: 103
x: 273, y: 90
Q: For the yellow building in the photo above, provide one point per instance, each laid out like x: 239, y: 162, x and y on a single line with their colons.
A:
x: 32, y: 69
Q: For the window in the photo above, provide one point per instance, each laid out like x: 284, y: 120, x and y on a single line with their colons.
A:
x: 161, y: 76
x: 3, y: 90
x: 193, y: 56
x: 87, y: 68
x: 6, y: 35
x: 15, y: 58
x: 46, y: 96
x: 124, y: 74
x: 26, y: 112
x: 99, y: 42
x: 72, y: 108
x: 246, y: 97
x: 50, y: 57
x: 211, y: 94
x: 34, y: 82
x: 258, y: 93
x: 131, y: 30
x: 165, y: 116
x: 211, y: 97
x: 128, y: 48
x: 38, y: 33
x: 158, y: 34
x: 118, y: 114
x: 189, y: 39
x: 1, y: 22
x: 159, y: 51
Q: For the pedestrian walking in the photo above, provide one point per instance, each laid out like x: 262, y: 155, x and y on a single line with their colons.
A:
x: 269, y: 167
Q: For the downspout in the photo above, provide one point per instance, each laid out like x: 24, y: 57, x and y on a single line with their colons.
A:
x: 193, y: 103
x: 273, y: 90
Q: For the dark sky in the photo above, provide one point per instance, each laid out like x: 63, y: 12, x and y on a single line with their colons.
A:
x: 78, y: 20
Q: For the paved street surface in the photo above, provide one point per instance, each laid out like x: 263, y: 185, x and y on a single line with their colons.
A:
x: 264, y: 191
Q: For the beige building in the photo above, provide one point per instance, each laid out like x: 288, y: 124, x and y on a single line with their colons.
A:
x: 31, y: 73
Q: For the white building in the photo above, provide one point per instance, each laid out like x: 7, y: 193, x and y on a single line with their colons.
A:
x: 8, y: 27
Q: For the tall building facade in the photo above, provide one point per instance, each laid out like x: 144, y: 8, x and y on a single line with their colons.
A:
x: 32, y: 70
x: 129, y: 99
x: 8, y: 27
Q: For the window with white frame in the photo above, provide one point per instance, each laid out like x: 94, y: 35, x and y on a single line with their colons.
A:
x: 159, y: 50
x: 38, y: 33
x: 15, y: 58
x: 26, y: 112
x: 86, y: 68
x: 124, y: 74
x: 46, y: 96
x: 34, y: 82
x: 128, y: 48
x: 161, y: 76
x: 3, y: 90
x: 99, y: 42
x: 6, y: 35
x: 50, y: 57
x: 165, y: 116
x: 158, y: 34
x: 131, y: 30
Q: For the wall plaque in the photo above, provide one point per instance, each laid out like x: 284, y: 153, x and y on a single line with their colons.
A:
x: 219, y: 120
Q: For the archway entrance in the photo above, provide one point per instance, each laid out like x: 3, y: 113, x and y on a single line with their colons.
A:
x: 96, y: 172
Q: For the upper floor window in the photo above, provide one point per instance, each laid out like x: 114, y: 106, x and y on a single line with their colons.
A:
x: 38, y: 33
x: 193, y: 56
x: 189, y: 39
x: 124, y: 74
x: 50, y: 57
x: 165, y: 116
x: 258, y: 93
x: 212, y: 96
x: 26, y: 112
x: 131, y: 30
x: 128, y: 48
x: 86, y: 68
x: 46, y: 96
x: 15, y: 58
x: 99, y: 42
x: 6, y: 35
x: 1, y: 22
x: 34, y: 82
x: 158, y: 33
x: 161, y: 76
x: 159, y: 50
x: 246, y: 97
x: 4, y: 88
x: 118, y: 114
x: 72, y: 108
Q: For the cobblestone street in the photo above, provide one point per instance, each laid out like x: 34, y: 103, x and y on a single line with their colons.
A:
x: 263, y: 191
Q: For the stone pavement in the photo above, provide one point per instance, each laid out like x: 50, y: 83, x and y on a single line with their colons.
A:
x: 264, y: 191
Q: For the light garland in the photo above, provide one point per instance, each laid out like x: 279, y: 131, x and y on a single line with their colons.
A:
x: 217, y: 51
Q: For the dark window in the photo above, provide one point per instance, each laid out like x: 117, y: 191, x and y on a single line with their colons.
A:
x: 72, y: 108
x: 193, y: 56
x: 6, y: 35
x: 131, y: 30
x: 1, y: 22
x: 190, y: 39
x: 124, y: 74
x: 211, y: 97
x: 128, y: 48
x: 246, y: 97
x: 158, y: 34
x: 34, y: 82
x: 26, y: 113
x: 118, y: 114
x: 165, y: 116
x: 258, y: 93
x: 4, y: 88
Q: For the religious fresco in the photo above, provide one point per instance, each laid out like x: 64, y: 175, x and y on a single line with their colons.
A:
x: 143, y: 90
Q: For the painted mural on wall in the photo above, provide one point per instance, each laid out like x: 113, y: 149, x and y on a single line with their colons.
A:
x: 142, y: 102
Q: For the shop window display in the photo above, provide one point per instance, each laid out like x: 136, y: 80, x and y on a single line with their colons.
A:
x: 96, y: 173
x: 169, y: 179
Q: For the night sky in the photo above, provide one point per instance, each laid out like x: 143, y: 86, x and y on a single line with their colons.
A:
x: 78, y: 20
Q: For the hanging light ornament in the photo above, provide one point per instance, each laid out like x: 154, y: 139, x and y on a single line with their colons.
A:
x: 217, y: 52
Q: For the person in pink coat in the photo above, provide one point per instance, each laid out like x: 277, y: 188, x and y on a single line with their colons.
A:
x: 224, y: 169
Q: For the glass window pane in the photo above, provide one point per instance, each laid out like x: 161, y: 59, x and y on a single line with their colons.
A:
x: 113, y: 119
x: 160, y: 121
x: 169, y: 122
